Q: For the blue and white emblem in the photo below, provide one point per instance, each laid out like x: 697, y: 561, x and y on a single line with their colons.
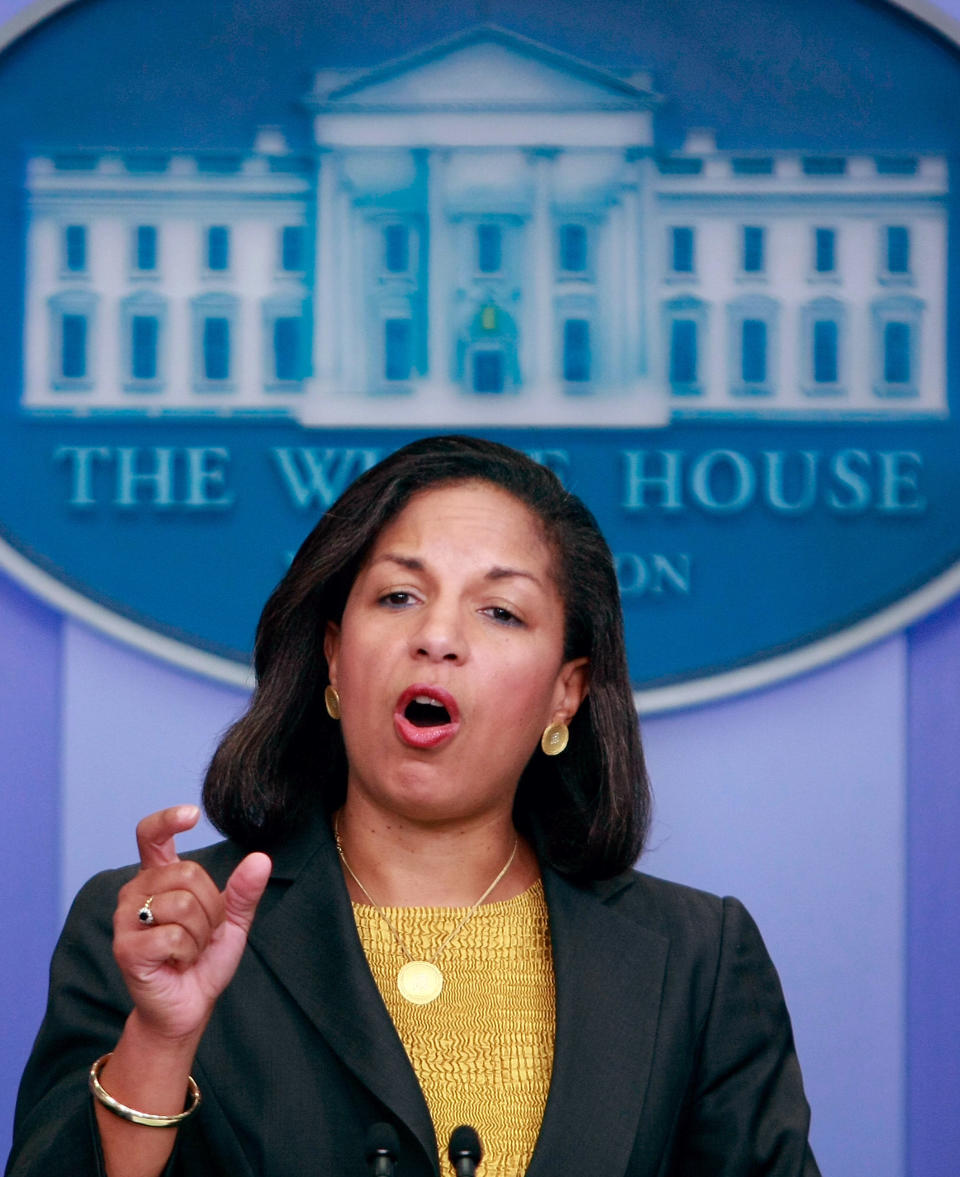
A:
x: 733, y: 342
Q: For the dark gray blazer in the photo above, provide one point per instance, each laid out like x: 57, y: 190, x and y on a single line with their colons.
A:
x: 674, y: 1054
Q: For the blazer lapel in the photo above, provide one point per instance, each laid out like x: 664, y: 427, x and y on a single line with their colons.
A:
x: 609, y: 976
x: 308, y: 938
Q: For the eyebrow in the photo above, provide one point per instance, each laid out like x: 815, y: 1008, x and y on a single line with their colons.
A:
x: 497, y: 572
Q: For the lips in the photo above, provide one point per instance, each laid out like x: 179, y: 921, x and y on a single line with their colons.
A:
x: 426, y: 716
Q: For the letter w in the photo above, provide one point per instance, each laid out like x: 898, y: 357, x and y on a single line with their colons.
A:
x: 318, y: 477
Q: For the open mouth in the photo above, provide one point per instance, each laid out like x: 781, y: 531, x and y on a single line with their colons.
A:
x: 424, y: 711
x: 426, y: 716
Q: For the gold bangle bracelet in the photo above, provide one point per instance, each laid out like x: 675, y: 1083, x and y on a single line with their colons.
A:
x: 145, y: 1119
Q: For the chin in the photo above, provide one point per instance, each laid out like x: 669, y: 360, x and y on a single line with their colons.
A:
x: 436, y: 802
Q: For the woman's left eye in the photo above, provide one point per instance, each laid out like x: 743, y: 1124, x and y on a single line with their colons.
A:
x: 499, y: 613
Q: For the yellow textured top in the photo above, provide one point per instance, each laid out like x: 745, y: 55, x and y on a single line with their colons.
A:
x: 483, y: 1049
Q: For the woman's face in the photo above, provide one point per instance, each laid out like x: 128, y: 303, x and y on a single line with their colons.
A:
x: 449, y: 657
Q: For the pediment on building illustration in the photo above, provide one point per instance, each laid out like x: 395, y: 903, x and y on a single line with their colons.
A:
x: 482, y: 68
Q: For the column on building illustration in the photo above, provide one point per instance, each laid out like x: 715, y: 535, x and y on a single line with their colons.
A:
x: 325, y: 368
x: 619, y: 306
x: 633, y: 271
x: 351, y: 374
x: 438, y: 278
x: 543, y: 368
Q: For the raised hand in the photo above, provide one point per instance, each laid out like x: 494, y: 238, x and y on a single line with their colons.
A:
x: 176, y: 966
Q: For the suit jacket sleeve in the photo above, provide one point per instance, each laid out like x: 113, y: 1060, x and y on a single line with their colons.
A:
x: 55, y: 1128
x: 746, y: 1114
x: 277, y: 1098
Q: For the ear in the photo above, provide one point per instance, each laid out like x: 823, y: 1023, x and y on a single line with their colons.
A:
x: 331, y: 649
x: 573, y: 683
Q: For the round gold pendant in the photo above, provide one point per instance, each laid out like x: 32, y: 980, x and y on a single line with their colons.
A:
x: 420, y: 982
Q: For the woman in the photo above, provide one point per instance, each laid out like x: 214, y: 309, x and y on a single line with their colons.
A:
x: 442, y: 761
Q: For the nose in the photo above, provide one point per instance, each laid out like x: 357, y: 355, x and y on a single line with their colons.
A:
x: 439, y: 637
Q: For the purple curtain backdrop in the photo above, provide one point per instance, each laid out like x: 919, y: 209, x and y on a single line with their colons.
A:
x: 933, y: 896
x: 30, y: 649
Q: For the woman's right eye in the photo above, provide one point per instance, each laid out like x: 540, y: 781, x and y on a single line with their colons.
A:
x: 397, y: 599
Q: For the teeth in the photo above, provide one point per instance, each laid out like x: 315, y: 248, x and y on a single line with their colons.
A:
x: 427, y: 701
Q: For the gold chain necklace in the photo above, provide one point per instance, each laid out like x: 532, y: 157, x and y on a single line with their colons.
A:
x: 420, y: 981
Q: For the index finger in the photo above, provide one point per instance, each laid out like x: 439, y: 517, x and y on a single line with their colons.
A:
x: 155, y: 834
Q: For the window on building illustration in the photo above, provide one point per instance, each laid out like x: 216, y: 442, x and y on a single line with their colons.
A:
x: 489, y: 249
x: 75, y: 248
x: 683, y: 352
x: 216, y: 348
x: 826, y: 351
x: 573, y: 249
x: 488, y: 370
x: 897, y: 328
x: 220, y: 163
x: 144, y: 162
x: 145, y: 248
x: 76, y: 161
x: 825, y: 251
x: 752, y: 165
x: 679, y: 165
x: 822, y: 333
x: 397, y: 349
x: 576, y: 350
x: 753, y: 351
x: 73, y: 346
x: 218, y: 248
x: 896, y: 165
x: 898, y: 249
x: 291, y: 249
x: 144, y: 340
x: 396, y: 249
x: 824, y: 165
x: 682, y: 249
x: 896, y: 352
x: 286, y: 347
x: 753, y: 249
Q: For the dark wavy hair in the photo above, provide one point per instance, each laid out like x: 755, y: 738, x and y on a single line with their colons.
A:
x: 588, y: 809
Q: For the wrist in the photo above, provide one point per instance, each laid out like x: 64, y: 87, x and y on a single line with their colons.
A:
x: 147, y: 1061
x: 161, y: 1039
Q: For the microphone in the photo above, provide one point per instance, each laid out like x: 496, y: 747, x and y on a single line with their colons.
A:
x: 382, y: 1149
x: 465, y: 1151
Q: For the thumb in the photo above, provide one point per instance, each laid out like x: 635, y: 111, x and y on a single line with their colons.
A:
x: 244, y: 889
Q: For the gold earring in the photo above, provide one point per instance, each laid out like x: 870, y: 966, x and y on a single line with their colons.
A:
x: 331, y: 699
x: 555, y: 738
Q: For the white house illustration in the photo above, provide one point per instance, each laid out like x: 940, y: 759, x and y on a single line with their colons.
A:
x: 486, y: 234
